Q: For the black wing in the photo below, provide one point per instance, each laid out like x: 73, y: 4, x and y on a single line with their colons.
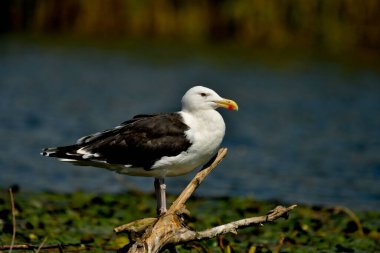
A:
x: 138, y: 142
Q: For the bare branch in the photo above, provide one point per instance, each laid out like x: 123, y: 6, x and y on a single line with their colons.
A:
x: 43, y: 247
x: 136, y: 226
x: 169, y: 229
x: 232, y: 227
x: 179, y: 203
x: 280, y: 243
x: 13, y: 220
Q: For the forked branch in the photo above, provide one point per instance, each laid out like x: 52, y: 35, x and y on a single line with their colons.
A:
x: 154, y: 234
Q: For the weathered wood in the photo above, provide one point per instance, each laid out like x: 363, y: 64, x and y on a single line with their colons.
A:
x: 136, y: 226
x: 169, y: 229
x: 179, y: 203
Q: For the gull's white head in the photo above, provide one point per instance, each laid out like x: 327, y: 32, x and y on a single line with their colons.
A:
x: 202, y: 98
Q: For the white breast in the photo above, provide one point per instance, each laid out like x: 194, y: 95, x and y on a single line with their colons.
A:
x: 206, y: 133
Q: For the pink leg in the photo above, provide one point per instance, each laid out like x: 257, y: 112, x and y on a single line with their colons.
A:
x: 160, y: 189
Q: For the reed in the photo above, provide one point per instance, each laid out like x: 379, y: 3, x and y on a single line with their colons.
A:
x: 339, y: 25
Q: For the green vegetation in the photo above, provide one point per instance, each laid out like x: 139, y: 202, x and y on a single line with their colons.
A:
x: 338, y: 26
x: 85, y: 222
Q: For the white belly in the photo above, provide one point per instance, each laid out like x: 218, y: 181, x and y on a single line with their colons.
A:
x: 206, y: 134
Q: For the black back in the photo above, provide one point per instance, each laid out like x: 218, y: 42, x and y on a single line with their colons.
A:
x: 138, y: 142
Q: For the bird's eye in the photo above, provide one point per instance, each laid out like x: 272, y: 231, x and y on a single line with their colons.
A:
x: 203, y: 94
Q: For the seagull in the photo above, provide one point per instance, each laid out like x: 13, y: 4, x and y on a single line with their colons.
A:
x: 156, y: 145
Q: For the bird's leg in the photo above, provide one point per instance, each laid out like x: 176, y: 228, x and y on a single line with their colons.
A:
x: 160, y: 189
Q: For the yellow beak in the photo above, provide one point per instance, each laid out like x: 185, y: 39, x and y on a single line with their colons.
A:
x: 228, y: 104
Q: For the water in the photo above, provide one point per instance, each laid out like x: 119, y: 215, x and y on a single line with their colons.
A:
x: 308, y: 132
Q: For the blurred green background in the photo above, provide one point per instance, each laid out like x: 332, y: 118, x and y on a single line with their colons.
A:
x: 332, y: 27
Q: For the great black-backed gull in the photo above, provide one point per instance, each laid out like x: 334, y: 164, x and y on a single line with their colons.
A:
x: 158, y: 145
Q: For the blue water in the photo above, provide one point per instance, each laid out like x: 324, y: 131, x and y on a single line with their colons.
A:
x: 305, y: 132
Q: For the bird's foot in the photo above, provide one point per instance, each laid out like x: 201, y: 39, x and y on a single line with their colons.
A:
x: 161, y: 211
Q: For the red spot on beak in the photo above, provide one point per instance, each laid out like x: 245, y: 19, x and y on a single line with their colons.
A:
x: 230, y: 107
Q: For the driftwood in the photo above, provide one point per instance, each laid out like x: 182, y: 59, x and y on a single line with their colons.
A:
x: 152, y: 235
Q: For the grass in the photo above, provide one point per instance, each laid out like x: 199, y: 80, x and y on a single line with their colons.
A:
x: 81, y: 221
